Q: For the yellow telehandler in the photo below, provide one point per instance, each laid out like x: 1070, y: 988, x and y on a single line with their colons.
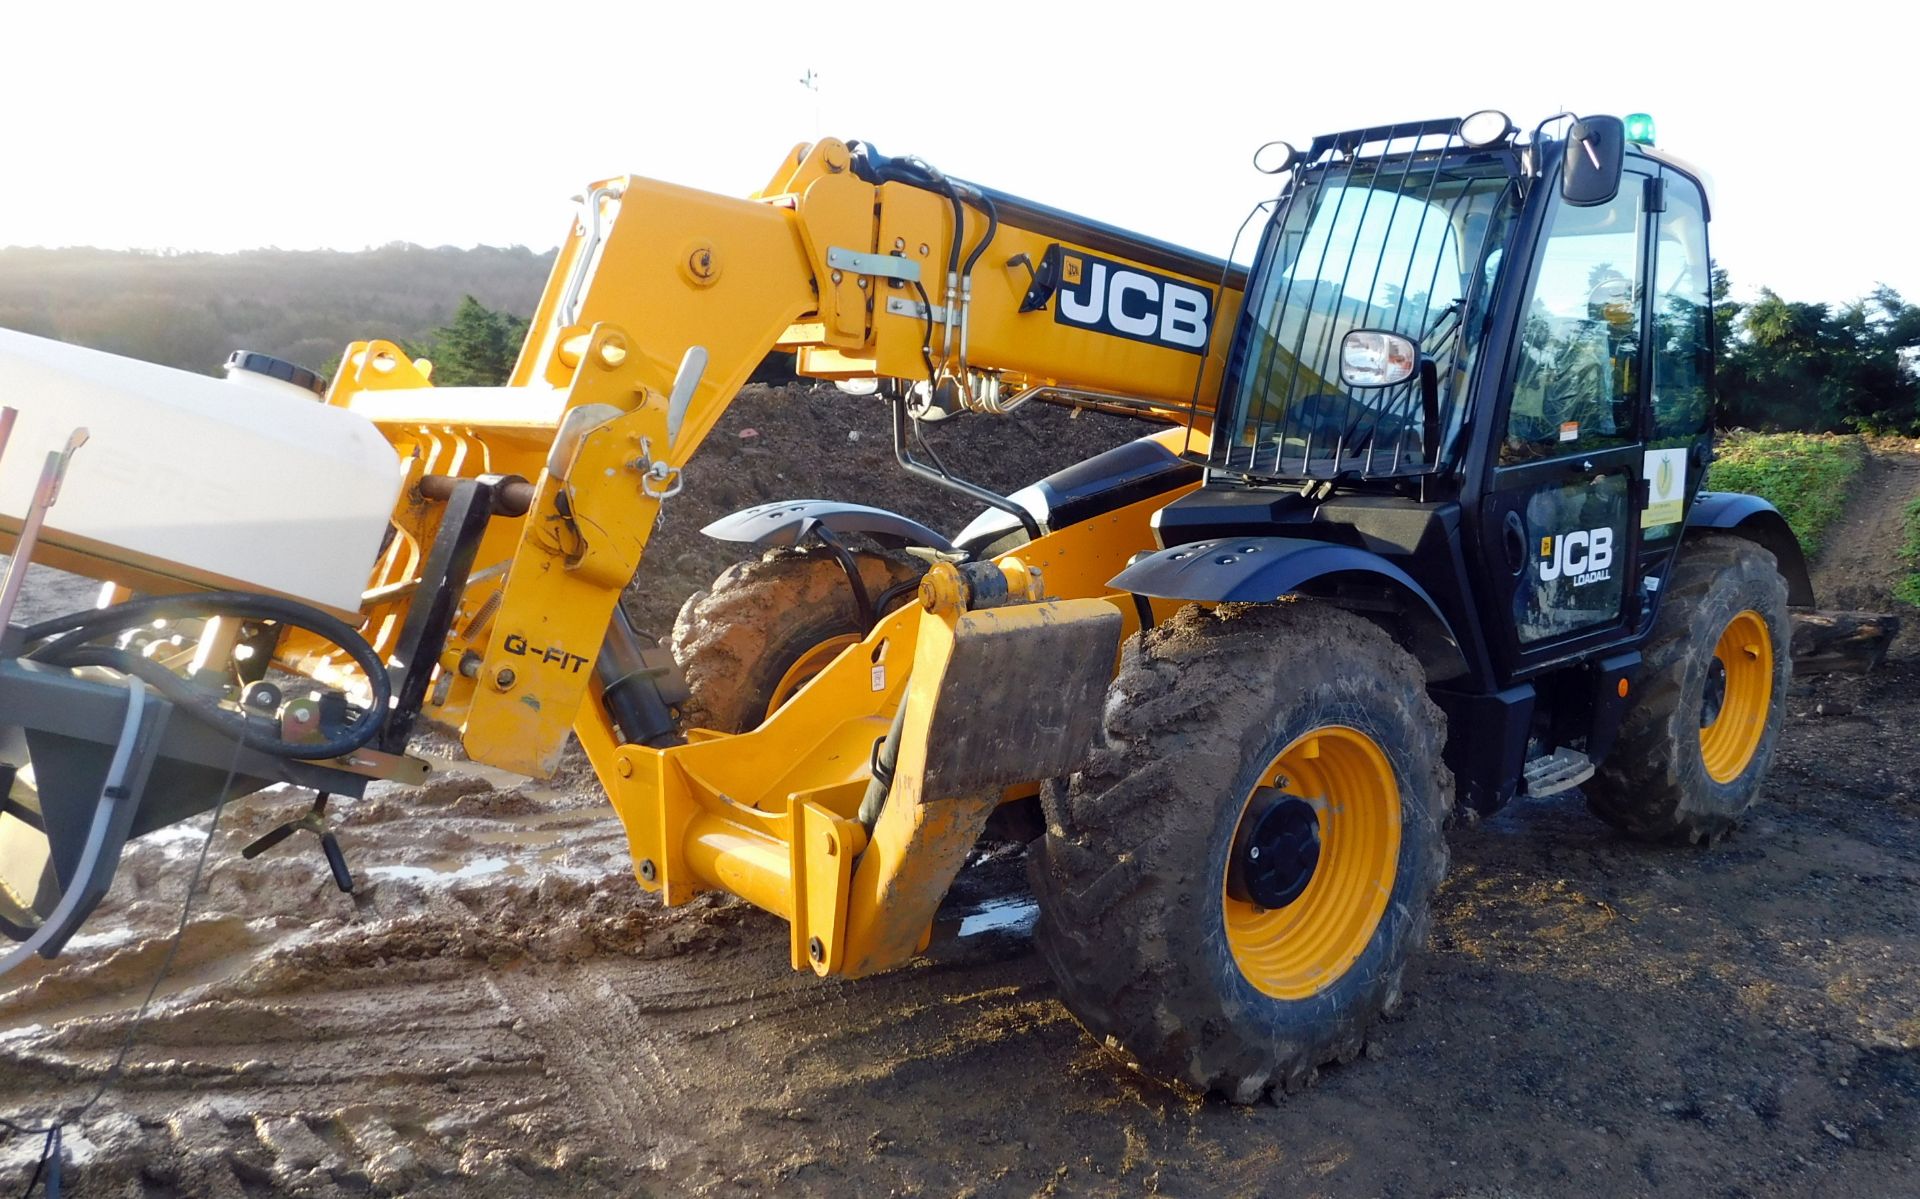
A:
x: 1422, y: 528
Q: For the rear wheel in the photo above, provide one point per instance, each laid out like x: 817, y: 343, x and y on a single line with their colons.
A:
x: 1231, y: 891
x: 1697, y: 743
x: 764, y: 628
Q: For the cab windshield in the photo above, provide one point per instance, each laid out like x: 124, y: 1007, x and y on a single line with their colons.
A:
x: 1408, y: 244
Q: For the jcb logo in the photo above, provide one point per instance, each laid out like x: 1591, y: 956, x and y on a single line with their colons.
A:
x: 1582, y: 557
x: 1114, y: 298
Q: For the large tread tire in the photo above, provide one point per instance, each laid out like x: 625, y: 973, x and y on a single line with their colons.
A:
x: 1654, y: 784
x: 1130, y: 873
x: 737, y: 639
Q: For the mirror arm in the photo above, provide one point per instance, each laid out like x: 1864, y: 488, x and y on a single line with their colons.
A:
x: 1430, y: 408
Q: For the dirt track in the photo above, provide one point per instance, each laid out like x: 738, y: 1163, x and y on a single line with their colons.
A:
x: 499, y: 1011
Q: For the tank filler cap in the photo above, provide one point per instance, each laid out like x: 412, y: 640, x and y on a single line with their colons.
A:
x: 267, y: 366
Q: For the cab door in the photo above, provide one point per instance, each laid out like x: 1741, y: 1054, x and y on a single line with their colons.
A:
x: 1680, y: 432
x: 1559, y: 519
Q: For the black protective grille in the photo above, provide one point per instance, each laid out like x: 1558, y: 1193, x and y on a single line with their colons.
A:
x: 1392, y: 228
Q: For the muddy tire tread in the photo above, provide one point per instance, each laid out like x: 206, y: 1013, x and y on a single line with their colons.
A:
x: 737, y: 637
x: 1121, y: 911
x: 1652, y: 785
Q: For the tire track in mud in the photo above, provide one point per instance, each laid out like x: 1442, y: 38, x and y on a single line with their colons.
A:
x: 731, y: 1066
x: 573, y: 1024
x: 555, y: 1033
x: 311, y: 1041
x: 245, y: 1093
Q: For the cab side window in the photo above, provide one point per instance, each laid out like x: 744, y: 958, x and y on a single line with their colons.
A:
x: 1682, y: 315
x: 1576, y: 386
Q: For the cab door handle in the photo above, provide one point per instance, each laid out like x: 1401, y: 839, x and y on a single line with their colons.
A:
x: 1513, y: 539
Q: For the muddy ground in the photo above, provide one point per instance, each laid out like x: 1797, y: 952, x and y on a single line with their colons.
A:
x: 499, y: 1010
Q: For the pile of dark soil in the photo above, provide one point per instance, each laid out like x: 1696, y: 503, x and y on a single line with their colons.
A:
x: 806, y: 441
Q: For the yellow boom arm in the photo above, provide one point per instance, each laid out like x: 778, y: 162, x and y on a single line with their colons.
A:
x: 662, y: 302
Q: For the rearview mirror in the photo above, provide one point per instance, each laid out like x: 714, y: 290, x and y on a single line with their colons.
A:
x: 1596, y: 150
x: 1376, y: 358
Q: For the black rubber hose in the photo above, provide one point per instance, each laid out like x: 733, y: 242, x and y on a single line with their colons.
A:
x: 874, y: 167
x: 953, y: 482
x: 944, y: 185
x: 959, y: 225
x: 73, y: 631
x: 993, y: 227
x: 197, y: 603
x: 886, y: 753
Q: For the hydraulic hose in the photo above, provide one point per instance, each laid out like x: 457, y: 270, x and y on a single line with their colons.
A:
x: 886, y: 753
x: 72, y: 633
x: 993, y: 227
x: 953, y: 482
x: 966, y: 272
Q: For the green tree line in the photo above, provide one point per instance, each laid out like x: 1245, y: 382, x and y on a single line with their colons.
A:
x: 1792, y: 365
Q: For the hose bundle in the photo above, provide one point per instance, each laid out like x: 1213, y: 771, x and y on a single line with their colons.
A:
x: 68, y: 641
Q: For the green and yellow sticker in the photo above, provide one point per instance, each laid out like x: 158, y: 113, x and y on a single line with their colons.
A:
x: 1666, y: 475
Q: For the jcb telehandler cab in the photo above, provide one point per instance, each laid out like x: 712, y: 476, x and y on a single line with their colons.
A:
x: 1470, y: 389
x: 1433, y: 525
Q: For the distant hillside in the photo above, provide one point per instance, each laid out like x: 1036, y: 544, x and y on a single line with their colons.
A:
x: 191, y: 310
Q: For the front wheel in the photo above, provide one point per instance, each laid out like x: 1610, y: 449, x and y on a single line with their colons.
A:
x: 766, y: 627
x: 1231, y: 891
x: 1695, y: 747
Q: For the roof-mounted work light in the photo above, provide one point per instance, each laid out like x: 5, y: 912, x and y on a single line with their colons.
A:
x: 1488, y: 127
x: 1274, y: 157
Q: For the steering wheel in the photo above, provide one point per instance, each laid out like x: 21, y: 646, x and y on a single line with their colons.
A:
x: 1614, y: 291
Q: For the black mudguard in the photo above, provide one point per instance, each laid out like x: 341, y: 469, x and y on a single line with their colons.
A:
x: 785, y: 521
x: 1262, y: 569
x: 1758, y: 521
x: 1112, y: 479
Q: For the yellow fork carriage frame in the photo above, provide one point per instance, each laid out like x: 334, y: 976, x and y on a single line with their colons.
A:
x: 662, y: 302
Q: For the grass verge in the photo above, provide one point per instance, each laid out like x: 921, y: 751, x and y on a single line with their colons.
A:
x: 1907, y: 590
x: 1805, y: 475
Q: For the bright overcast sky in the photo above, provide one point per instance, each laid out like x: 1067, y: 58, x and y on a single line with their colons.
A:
x: 345, y: 124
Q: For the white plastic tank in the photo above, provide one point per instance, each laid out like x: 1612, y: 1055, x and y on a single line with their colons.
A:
x: 196, y: 481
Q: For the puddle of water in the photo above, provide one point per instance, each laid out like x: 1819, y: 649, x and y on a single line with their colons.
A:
x: 519, y: 845
x: 446, y: 870
x: 1011, y: 914
x: 112, y: 939
x: 187, y: 836
x: 443, y: 872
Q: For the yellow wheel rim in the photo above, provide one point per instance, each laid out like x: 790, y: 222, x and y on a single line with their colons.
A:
x: 1296, y: 951
x: 1731, y: 730
x: 808, y: 664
